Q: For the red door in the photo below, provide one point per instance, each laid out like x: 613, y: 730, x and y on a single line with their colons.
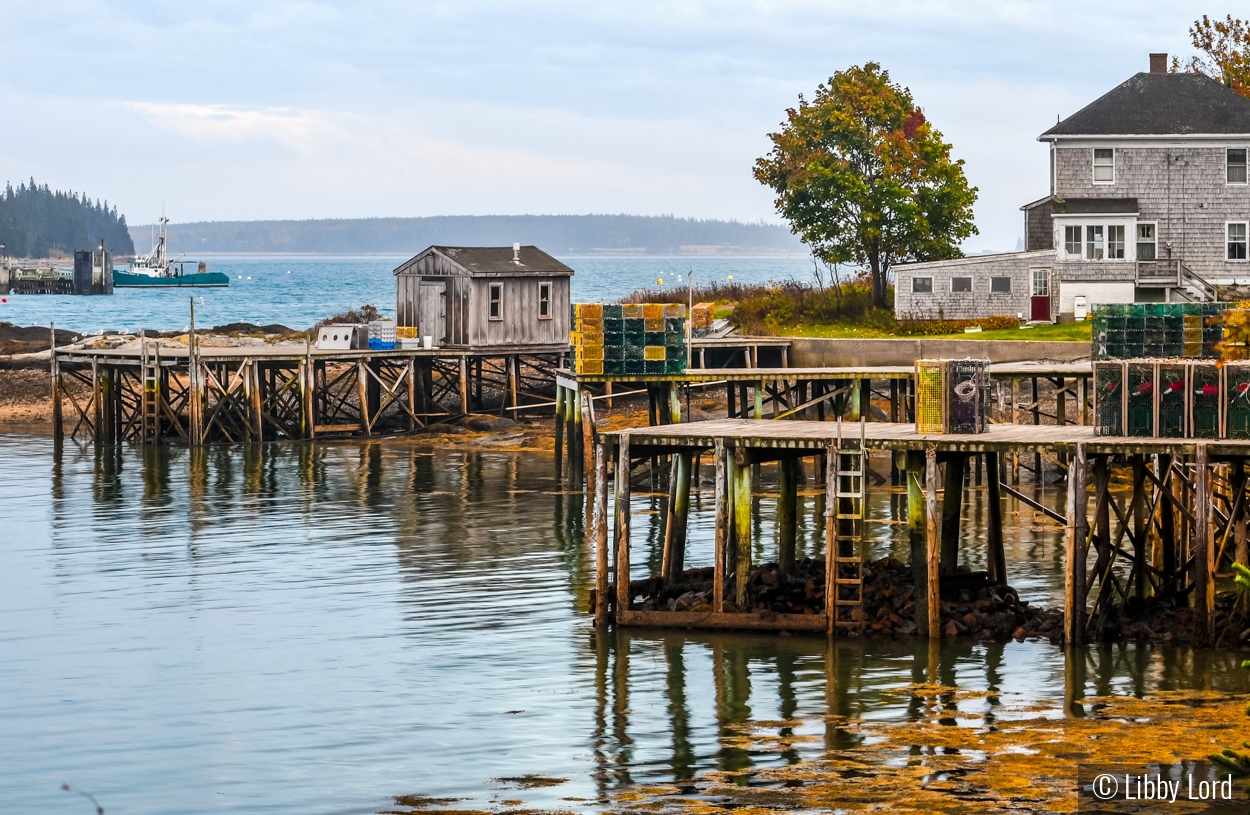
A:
x: 1039, y: 303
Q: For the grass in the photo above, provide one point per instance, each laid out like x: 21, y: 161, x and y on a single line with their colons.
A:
x: 1069, y: 332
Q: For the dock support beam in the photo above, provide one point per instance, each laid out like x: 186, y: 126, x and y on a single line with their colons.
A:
x: 996, y: 556
x: 742, y: 526
x: 1204, y: 555
x: 917, y: 533
x: 678, y: 517
x: 831, y: 539
x: 560, y: 400
x: 601, y: 537
x: 722, y: 528
x: 952, y: 504
x: 933, y: 592
x: 787, y: 513
x: 1076, y: 540
x: 621, y: 573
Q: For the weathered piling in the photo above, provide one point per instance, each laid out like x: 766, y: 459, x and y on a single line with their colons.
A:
x: 1076, y: 536
x: 600, y: 526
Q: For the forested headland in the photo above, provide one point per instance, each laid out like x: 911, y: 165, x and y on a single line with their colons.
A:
x: 36, y: 221
x: 562, y: 234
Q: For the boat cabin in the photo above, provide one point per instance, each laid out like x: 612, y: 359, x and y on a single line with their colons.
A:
x: 497, y: 297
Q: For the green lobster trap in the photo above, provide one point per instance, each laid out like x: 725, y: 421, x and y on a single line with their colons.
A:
x: 1171, y: 418
x: 1139, y: 393
x: 1236, y: 400
x: 1205, y: 401
x: 1108, y: 398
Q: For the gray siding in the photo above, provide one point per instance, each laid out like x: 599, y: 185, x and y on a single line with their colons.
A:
x: 1187, y: 197
x: 943, y: 304
x: 520, y: 324
x: 1039, y: 227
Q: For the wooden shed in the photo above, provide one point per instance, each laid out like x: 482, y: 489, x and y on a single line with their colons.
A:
x: 489, y: 297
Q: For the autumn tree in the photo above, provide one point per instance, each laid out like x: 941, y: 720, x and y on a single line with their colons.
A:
x: 1225, y: 47
x: 863, y: 178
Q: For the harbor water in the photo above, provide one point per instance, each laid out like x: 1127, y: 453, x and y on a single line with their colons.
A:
x: 330, y: 627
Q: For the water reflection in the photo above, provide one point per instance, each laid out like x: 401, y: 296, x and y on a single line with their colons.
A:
x: 324, y: 625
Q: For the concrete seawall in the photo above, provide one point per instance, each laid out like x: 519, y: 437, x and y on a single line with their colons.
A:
x: 821, y: 353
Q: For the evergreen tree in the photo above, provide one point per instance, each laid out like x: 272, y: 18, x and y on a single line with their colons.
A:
x: 35, y: 220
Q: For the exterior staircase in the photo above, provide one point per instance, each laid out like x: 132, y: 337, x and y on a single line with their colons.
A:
x: 1182, y: 285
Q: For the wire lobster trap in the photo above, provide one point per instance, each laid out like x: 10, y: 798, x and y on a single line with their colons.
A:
x: 1171, y: 419
x: 1139, y: 383
x: 1236, y: 400
x: 1205, y: 405
x: 952, y: 396
x: 1109, y: 398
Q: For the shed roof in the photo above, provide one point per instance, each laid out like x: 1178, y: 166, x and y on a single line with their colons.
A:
x: 1160, y: 105
x: 494, y: 261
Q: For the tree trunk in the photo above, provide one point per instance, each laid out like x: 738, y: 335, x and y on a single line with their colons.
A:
x: 878, y: 276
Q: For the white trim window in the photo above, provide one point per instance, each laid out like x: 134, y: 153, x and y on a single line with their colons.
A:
x: 1104, y: 165
x: 1236, y: 240
x: 1235, y: 165
x: 922, y: 285
x: 1000, y: 285
x: 1147, y: 242
x: 1115, y: 242
x: 1095, y: 246
x: 1041, y: 282
x: 1072, y: 241
x: 961, y: 285
x: 496, y: 301
x: 544, y: 301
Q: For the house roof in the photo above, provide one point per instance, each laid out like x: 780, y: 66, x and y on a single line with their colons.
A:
x: 1160, y: 105
x: 1101, y: 206
x: 494, y: 261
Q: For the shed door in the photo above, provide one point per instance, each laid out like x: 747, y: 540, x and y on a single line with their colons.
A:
x: 432, y: 319
x: 1039, y: 304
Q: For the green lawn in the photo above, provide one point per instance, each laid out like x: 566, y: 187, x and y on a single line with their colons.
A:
x: 1075, y: 332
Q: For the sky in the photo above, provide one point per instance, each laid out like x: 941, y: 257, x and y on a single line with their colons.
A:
x: 242, y: 110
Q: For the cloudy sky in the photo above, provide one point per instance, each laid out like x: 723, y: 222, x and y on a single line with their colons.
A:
x: 247, y: 109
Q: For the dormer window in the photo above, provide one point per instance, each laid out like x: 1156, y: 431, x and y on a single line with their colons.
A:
x: 1235, y: 161
x: 1104, y: 165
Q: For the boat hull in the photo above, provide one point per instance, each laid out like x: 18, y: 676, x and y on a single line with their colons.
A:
x: 126, y: 280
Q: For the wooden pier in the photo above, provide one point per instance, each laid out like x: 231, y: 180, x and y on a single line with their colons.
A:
x: 154, y: 393
x: 1182, y: 520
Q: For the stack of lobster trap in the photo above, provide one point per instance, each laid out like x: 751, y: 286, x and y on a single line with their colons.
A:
x: 1180, y: 399
x: 952, y: 395
x: 631, y: 339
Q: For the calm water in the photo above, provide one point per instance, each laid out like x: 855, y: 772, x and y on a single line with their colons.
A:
x: 317, y: 628
x: 298, y: 291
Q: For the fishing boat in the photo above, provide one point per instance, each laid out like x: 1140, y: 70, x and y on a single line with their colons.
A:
x: 155, y: 270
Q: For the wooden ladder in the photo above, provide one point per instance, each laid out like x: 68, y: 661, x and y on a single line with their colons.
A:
x: 150, y: 408
x: 848, y: 514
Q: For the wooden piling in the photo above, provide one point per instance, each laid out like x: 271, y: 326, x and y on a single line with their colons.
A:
x: 1167, y: 522
x: 621, y: 572
x: 831, y: 539
x: 1238, y: 483
x: 601, y: 537
x: 363, y: 394
x: 742, y: 525
x: 917, y: 533
x: 932, y: 546
x: 787, y: 513
x: 759, y: 401
x: 678, y: 517
x: 588, y: 434
x: 559, y: 451
x: 58, y: 426
x: 576, y: 474
x: 722, y: 527
x: 464, y: 385
x: 996, y: 555
x: 1204, y: 554
x: 1075, y: 537
x: 1139, y: 525
x: 258, y: 422
x: 674, y: 404
x: 952, y: 504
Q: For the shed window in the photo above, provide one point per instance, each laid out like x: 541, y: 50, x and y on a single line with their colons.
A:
x: 544, y: 301
x: 1104, y: 165
x: 496, y: 301
x: 961, y: 284
x: 1237, y: 241
x: 1235, y: 158
x: 1072, y: 241
x: 922, y: 285
x: 1000, y: 285
x: 1146, y: 242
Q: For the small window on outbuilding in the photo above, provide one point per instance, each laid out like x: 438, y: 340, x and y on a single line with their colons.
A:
x: 496, y: 301
x: 922, y: 285
x: 1000, y: 285
x: 961, y: 285
x: 1104, y: 165
x: 544, y: 301
x: 1235, y: 158
x: 1237, y: 241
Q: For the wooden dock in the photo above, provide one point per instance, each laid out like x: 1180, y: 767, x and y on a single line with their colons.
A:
x: 1182, y: 521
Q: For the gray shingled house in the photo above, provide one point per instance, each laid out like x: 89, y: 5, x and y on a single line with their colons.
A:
x: 1149, y: 202
x: 502, y: 298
